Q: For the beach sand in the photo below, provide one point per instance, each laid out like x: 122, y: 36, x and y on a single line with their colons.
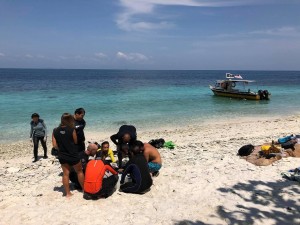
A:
x: 202, y: 181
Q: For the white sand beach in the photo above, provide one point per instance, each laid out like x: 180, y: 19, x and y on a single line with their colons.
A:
x: 202, y: 181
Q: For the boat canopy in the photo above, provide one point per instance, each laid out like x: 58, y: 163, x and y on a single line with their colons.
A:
x: 230, y: 80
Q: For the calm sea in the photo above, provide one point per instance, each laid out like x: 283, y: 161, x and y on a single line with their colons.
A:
x: 146, y: 99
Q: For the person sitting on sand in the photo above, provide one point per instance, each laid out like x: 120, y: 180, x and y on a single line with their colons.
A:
x: 105, y: 151
x: 153, y: 158
x: 137, y: 167
x: 125, y: 136
x: 64, y: 139
x: 89, y: 154
x: 97, y: 182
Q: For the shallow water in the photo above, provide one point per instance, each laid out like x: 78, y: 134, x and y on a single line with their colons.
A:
x: 146, y: 99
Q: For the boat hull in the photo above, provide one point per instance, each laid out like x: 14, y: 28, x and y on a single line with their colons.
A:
x: 241, y: 95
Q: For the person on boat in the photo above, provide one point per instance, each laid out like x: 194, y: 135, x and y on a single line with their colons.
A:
x: 38, y: 133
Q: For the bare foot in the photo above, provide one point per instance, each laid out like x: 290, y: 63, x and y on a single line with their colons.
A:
x: 69, y: 195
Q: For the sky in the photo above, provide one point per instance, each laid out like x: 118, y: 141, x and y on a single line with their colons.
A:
x: 150, y: 34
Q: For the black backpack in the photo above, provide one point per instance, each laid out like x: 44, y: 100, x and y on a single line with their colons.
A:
x: 288, y: 144
x: 246, y: 150
x: 157, y: 143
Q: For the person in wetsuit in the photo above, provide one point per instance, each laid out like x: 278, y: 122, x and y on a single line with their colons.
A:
x: 125, y: 136
x: 64, y: 139
x: 97, y: 182
x: 38, y: 133
x: 85, y: 156
x: 138, y: 169
x: 79, y: 127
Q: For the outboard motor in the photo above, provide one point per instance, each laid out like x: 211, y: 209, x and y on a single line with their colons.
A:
x: 261, y: 94
x: 266, y: 94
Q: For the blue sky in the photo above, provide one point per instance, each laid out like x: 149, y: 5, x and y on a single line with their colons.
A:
x: 150, y: 34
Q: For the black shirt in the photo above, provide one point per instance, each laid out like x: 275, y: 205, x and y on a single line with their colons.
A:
x: 65, y: 142
x: 79, y: 126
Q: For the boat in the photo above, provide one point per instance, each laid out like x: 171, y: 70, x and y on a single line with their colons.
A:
x: 234, y: 86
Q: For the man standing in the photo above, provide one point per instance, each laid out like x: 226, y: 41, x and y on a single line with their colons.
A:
x: 79, y: 127
x: 38, y: 132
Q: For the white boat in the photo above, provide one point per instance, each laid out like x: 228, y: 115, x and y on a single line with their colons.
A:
x: 234, y: 86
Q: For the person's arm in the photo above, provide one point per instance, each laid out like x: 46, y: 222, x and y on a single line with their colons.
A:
x: 45, y: 129
x: 146, y: 155
x: 111, y: 155
x: 54, y: 143
x: 74, y: 136
x: 127, y: 170
x: 120, y: 158
x: 31, y: 131
x: 110, y: 169
x: 114, y: 139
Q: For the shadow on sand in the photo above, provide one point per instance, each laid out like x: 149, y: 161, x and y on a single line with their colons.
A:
x: 260, y: 195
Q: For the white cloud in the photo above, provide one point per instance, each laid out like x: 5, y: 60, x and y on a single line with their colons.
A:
x: 2, y: 54
x: 132, y: 56
x: 62, y: 57
x: 130, y: 18
x: 40, y: 56
x: 287, y: 32
x: 281, y: 31
x: 28, y: 56
x: 100, y: 55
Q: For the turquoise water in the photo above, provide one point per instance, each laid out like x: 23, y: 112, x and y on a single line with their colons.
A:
x: 146, y: 99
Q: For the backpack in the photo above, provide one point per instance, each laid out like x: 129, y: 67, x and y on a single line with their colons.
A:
x: 289, y: 144
x: 285, y: 139
x: 157, y: 143
x: 246, y: 150
x: 93, y: 178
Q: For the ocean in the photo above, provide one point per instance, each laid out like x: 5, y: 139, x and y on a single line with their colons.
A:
x: 147, y: 99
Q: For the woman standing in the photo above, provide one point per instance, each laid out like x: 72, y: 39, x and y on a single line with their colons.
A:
x: 64, y: 139
x: 38, y: 132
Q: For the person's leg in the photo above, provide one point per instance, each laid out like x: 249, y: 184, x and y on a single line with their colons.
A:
x: 74, y: 179
x: 65, y: 179
x: 154, y: 168
x: 108, y: 185
x: 35, y: 148
x: 80, y: 175
x: 130, y: 187
x: 120, y: 156
x: 44, y: 145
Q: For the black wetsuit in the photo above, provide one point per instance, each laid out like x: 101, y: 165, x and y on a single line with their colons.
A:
x: 117, y: 140
x: 37, y: 133
x: 79, y: 127
x: 137, y: 167
x: 68, y: 152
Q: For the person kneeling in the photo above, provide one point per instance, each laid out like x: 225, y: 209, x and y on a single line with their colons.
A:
x: 95, y: 185
x: 137, y: 167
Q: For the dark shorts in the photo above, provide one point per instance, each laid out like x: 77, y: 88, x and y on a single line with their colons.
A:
x: 70, y: 163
